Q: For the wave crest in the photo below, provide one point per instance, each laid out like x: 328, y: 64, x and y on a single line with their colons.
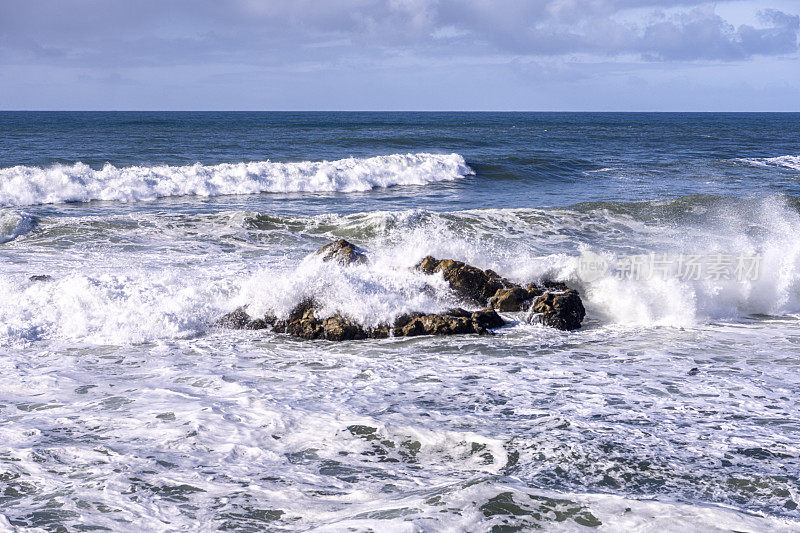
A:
x: 25, y: 185
x: 791, y: 162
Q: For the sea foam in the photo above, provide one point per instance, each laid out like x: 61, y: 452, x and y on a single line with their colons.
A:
x: 28, y: 185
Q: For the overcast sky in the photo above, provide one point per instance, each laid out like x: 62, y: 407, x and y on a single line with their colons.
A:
x: 400, y: 54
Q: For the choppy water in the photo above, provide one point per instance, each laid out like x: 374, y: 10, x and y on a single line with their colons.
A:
x: 674, y: 408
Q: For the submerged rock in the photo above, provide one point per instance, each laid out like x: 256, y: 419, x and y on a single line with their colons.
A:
x: 41, y: 277
x: 343, y: 252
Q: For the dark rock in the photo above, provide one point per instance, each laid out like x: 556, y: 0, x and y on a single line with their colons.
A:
x: 239, y: 319
x: 535, y: 290
x: 427, y: 265
x: 554, y: 304
x: 301, y: 322
x: 343, y: 252
x: 381, y: 332
x: 560, y: 306
x: 694, y: 371
x: 466, y: 280
x: 338, y: 328
x: 487, y: 318
x: 438, y: 325
x: 561, y: 310
x: 402, y: 320
x: 453, y: 322
x: 555, y: 285
x: 41, y: 277
x: 510, y: 300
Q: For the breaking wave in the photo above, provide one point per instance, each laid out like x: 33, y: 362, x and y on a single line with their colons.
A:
x: 12, y: 225
x: 791, y: 162
x: 120, y: 301
x: 26, y: 185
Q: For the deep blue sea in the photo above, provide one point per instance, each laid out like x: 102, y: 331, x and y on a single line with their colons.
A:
x: 676, y: 407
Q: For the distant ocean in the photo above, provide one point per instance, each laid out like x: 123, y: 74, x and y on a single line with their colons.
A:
x: 122, y: 407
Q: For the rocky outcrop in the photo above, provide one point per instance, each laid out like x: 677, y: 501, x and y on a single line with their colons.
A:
x: 560, y: 309
x: 553, y: 303
x: 452, y: 322
x: 303, y: 323
x: 343, y: 252
x: 550, y: 303
x: 467, y: 281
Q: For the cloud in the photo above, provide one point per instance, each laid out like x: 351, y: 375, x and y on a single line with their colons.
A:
x: 702, y: 34
x: 89, y: 33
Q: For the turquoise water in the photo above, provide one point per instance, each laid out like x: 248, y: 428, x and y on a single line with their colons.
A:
x: 123, y: 408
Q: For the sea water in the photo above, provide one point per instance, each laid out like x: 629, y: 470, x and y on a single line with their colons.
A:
x: 122, y: 407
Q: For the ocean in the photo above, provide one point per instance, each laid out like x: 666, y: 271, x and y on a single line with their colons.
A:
x: 123, y: 407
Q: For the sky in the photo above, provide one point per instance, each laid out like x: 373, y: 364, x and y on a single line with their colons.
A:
x: 534, y: 55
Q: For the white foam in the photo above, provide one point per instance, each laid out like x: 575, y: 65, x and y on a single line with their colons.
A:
x: 792, y: 162
x: 529, y: 244
x: 25, y: 185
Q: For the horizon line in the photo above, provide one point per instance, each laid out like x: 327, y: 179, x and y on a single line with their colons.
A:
x: 373, y: 111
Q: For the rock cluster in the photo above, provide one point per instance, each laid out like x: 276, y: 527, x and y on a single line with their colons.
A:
x: 553, y: 304
x: 303, y: 323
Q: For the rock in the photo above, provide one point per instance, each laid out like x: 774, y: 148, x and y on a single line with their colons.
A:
x: 453, y: 322
x: 558, y: 305
x: 561, y: 310
x: 438, y: 325
x: 343, y: 252
x: 555, y: 285
x: 301, y: 322
x: 338, y: 328
x: 487, y: 318
x: 41, y: 277
x: 304, y: 324
x: 381, y: 332
x: 510, y: 300
x: 553, y: 303
x: 239, y: 319
x: 466, y: 280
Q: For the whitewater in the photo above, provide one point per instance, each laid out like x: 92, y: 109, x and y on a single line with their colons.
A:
x: 124, y: 407
x: 23, y: 185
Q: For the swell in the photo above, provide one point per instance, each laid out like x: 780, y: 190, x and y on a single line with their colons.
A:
x: 25, y: 185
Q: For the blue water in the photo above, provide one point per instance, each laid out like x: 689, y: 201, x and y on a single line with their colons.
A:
x: 123, y: 408
x: 520, y: 159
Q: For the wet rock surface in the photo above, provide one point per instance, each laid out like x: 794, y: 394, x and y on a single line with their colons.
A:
x: 452, y: 322
x: 239, y: 319
x: 467, y: 281
x: 343, y: 252
x: 561, y: 310
x: 551, y: 303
